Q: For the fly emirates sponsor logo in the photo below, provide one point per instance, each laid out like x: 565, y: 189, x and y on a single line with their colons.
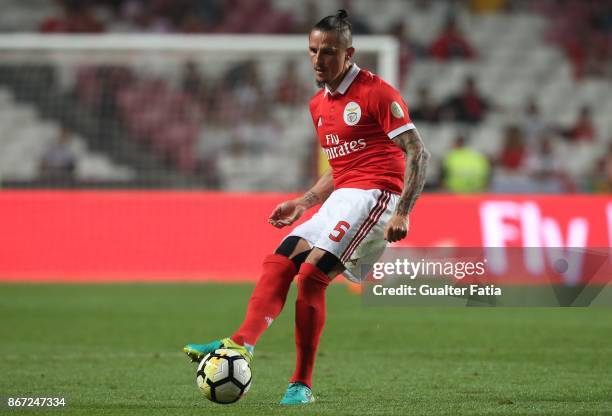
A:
x: 336, y: 149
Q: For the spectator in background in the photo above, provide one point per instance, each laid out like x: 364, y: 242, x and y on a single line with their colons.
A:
x: 209, y: 11
x: 192, y: 23
x: 581, y: 29
x: 247, y: 86
x: 602, y: 19
x: 59, y: 161
x: 584, y: 128
x: 359, y: 25
x: 143, y: 17
x: 451, y: 43
x: 409, y: 49
x: 425, y: 110
x: 600, y: 179
x: 191, y: 79
x: 544, y: 166
x: 533, y: 125
x: 56, y: 24
x: 220, y: 103
x: 258, y: 133
x: 469, y: 106
x: 514, y: 152
x: 124, y: 18
x: 310, y: 13
x: 577, y: 49
x: 76, y: 18
x: 598, y: 62
x: 290, y: 90
x: 465, y: 170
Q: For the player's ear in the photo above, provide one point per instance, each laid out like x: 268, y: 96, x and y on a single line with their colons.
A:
x: 350, y: 51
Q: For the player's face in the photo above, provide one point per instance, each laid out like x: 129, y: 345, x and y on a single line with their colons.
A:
x: 329, y: 57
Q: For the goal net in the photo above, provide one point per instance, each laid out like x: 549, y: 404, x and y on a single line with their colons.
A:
x: 223, y: 112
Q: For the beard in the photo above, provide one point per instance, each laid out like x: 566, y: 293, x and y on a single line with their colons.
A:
x: 320, y: 84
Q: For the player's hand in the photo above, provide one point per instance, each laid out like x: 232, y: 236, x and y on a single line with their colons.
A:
x: 286, y: 213
x: 397, y: 228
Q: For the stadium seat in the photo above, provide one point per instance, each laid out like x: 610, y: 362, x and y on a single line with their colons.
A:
x: 26, y: 136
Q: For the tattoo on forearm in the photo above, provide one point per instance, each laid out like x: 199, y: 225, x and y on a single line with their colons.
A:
x: 416, y: 166
x: 320, y: 191
x: 311, y: 198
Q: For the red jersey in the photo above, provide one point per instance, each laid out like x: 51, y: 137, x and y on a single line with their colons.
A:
x: 355, y: 125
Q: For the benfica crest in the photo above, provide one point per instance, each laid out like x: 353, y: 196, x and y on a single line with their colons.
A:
x: 352, y: 113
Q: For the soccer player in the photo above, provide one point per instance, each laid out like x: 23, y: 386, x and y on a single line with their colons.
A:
x: 378, y: 164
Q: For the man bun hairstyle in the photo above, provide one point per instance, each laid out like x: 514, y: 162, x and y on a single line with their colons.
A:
x: 337, y: 23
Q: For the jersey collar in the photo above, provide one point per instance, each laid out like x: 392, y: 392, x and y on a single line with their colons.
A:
x: 350, y: 76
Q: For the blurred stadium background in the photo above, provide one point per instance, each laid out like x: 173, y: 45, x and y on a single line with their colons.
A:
x: 526, y: 84
x: 513, y: 100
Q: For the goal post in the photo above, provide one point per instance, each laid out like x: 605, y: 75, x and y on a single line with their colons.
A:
x: 212, y: 111
x: 386, y: 48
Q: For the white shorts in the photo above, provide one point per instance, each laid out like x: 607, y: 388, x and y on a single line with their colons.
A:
x: 350, y: 224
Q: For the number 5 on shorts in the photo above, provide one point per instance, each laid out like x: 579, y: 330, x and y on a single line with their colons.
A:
x: 341, y: 228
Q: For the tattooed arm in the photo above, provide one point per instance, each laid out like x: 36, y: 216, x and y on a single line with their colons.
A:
x: 288, y: 212
x: 414, y: 180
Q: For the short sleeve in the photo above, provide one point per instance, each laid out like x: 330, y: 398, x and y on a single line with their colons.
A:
x: 390, y: 110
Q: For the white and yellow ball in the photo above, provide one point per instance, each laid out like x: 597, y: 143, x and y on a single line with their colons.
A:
x: 224, y: 376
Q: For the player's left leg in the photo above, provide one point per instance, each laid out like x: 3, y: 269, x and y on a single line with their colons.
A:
x: 268, y: 297
x: 266, y: 302
x: 314, y: 276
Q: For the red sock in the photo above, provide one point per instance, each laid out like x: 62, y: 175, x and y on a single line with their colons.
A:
x: 309, y: 320
x: 267, y: 300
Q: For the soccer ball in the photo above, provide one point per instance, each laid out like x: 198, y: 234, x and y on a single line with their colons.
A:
x: 224, y: 376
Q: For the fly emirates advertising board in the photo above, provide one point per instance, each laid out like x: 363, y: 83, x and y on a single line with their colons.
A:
x: 106, y: 236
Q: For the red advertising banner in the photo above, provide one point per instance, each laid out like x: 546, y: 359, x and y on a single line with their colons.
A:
x: 133, y: 236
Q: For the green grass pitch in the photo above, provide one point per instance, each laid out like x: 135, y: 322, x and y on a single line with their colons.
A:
x: 116, y: 349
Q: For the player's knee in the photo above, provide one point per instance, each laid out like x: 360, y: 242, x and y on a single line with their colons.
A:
x: 328, y: 263
x: 288, y: 245
x: 288, y: 249
x: 300, y: 258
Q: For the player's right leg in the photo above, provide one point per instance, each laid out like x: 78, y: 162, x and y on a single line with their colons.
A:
x: 266, y: 302
x: 313, y: 278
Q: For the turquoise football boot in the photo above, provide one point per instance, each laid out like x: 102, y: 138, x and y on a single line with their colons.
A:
x: 196, y: 352
x: 297, y: 393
